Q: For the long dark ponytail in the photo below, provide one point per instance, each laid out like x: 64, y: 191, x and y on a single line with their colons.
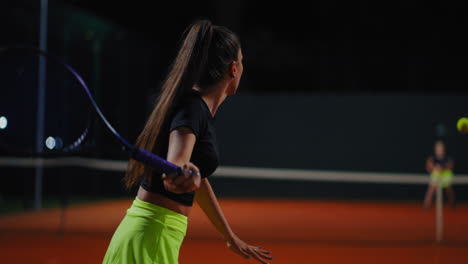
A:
x: 203, y: 59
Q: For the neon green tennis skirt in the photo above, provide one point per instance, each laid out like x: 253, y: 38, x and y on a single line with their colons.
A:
x: 147, y: 234
x: 445, y: 177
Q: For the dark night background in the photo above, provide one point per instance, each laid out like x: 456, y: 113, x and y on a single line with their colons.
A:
x: 352, y: 86
x: 325, y: 46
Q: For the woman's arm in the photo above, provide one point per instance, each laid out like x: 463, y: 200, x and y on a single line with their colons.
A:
x: 429, y: 165
x: 208, y: 202
x: 181, y: 143
x: 450, y: 165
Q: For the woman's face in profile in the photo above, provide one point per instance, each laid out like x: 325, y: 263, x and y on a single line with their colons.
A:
x: 439, y: 149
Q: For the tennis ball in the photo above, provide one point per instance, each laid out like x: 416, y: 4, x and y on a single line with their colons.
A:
x: 462, y: 125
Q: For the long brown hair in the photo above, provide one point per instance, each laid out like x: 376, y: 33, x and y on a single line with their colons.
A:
x: 204, y: 57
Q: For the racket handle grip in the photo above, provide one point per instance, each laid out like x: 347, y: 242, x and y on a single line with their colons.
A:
x: 155, y: 161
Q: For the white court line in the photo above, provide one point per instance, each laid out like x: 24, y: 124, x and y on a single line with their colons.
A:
x: 241, y: 172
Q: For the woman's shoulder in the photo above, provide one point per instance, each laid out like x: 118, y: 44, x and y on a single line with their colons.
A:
x: 193, y: 102
x: 189, y: 103
x: 189, y: 111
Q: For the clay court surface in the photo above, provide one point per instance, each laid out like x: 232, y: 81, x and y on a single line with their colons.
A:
x: 299, y: 231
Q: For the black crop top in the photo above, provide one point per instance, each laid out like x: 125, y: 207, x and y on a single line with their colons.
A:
x: 191, y: 112
x: 443, y: 162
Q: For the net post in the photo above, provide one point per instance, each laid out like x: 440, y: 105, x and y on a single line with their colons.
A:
x: 439, y: 212
x: 39, y: 171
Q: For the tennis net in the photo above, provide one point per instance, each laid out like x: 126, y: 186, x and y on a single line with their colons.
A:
x: 352, y: 206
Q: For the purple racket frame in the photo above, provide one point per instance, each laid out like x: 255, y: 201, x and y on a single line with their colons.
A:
x: 136, y: 153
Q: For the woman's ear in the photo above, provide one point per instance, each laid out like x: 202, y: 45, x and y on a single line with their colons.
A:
x: 233, y: 69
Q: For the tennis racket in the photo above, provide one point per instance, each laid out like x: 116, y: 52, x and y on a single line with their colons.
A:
x: 70, y: 110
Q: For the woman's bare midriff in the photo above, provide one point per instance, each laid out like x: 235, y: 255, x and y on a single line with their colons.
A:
x: 160, y: 200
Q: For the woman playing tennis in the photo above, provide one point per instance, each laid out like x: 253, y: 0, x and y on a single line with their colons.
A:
x: 440, y: 167
x: 207, y: 69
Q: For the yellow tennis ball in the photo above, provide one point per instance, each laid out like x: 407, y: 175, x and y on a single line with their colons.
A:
x: 462, y: 125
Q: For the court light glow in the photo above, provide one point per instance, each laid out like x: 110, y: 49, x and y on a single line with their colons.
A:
x: 50, y: 143
x: 3, y: 122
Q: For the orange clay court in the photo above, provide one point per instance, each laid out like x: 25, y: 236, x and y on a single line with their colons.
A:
x: 297, y: 231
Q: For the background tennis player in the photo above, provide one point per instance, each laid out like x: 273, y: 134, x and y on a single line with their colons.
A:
x: 207, y: 69
x: 440, y: 167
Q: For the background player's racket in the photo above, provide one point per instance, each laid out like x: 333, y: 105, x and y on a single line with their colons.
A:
x: 69, y: 112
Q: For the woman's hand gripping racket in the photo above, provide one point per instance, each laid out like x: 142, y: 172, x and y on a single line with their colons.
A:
x: 68, y: 111
x: 184, y: 182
